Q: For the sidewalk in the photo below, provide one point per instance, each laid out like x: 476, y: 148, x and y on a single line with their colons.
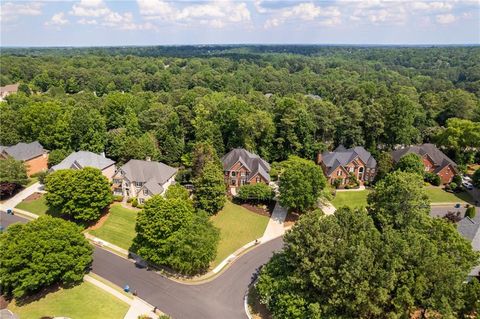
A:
x: 327, y: 207
x: 359, y: 189
x: 275, y: 227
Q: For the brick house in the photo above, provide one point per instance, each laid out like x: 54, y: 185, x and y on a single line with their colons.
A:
x: 143, y: 179
x: 81, y: 159
x: 241, y: 167
x: 339, y: 164
x: 32, y: 154
x: 7, y: 90
x: 434, y: 160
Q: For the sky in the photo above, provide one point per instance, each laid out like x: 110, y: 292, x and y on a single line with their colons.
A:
x: 159, y: 22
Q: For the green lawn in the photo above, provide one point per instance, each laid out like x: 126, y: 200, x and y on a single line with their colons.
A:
x: 38, y: 206
x: 238, y: 226
x: 353, y: 199
x: 31, y: 181
x: 119, y: 228
x: 438, y: 195
x: 84, y: 301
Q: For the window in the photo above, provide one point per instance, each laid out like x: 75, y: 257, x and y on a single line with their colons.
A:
x: 118, y: 191
x: 233, y: 174
x: 242, y: 174
x: 257, y: 179
x: 138, y: 184
x: 233, y: 182
x: 141, y: 200
x: 339, y: 173
x: 351, y: 169
x: 360, y: 169
x: 145, y: 192
x: 117, y: 181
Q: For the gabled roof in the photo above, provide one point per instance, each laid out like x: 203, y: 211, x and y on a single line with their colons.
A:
x: 254, y: 163
x: 24, y: 151
x: 469, y: 228
x: 154, y: 187
x: 342, y: 157
x: 437, y: 156
x: 81, y: 159
x: 146, y: 171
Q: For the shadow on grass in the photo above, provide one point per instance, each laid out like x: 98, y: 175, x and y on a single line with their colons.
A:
x: 36, y: 296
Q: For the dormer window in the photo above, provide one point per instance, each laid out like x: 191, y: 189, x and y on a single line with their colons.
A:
x: 138, y: 184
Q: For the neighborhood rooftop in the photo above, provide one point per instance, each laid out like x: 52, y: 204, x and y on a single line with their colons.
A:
x: 24, y: 151
x: 254, y: 163
x: 342, y: 156
x: 144, y: 171
x: 82, y: 159
x: 437, y: 156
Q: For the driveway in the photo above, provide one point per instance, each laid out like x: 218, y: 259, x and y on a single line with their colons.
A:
x: 24, y: 193
x: 219, y: 298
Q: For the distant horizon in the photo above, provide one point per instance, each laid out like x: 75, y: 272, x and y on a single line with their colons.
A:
x: 105, y: 23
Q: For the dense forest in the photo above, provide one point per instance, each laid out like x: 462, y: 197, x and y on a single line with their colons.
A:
x: 277, y: 101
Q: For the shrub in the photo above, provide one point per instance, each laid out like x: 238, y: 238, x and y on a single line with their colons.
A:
x: 353, y: 180
x: 129, y: 200
x: 453, y: 186
x: 337, y: 182
x: 470, y: 212
x: 432, y: 178
x: 135, y: 202
x: 257, y: 192
x: 42, y: 176
x: 457, y: 179
x: 476, y: 178
x: 117, y: 198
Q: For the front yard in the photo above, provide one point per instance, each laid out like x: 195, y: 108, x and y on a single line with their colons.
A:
x: 34, y: 204
x: 238, y: 226
x: 352, y: 199
x: 438, y: 195
x: 84, y: 301
x: 118, y: 227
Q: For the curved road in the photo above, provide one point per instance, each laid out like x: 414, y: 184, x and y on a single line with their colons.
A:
x: 219, y: 298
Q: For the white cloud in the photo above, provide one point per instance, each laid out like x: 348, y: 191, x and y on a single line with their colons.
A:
x: 89, y: 8
x: 445, y: 18
x: 216, y: 14
x: 306, y: 11
x: 10, y: 11
x: 87, y: 21
x: 57, y: 19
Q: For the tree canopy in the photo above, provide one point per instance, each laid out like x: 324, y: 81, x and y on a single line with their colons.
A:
x: 41, y: 253
x: 210, y: 188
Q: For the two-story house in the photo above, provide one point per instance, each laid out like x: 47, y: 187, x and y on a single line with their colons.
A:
x: 32, y: 154
x: 241, y: 167
x: 434, y: 160
x: 81, y: 159
x: 339, y: 164
x: 142, y: 179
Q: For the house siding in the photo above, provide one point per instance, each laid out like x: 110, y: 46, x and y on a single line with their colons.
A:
x: 109, y: 172
x: 446, y: 174
x: 37, y: 164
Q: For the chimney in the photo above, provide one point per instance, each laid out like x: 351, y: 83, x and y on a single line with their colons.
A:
x: 148, y: 158
x: 319, y: 158
x: 103, y: 154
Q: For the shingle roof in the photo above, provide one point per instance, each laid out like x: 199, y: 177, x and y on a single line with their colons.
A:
x: 11, y: 88
x: 342, y: 157
x: 145, y: 171
x: 254, y: 163
x: 154, y: 187
x: 24, y: 151
x: 82, y: 159
x: 437, y: 156
x: 469, y: 228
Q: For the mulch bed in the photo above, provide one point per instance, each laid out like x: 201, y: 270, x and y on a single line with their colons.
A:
x: 261, y: 209
x: 33, y: 197
x: 292, y: 218
x: 100, y: 222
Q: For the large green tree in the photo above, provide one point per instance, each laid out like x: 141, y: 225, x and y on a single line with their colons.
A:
x: 411, y: 163
x: 210, y: 188
x: 13, y: 175
x: 301, y: 184
x: 78, y: 194
x: 171, y: 233
x: 41, y: 253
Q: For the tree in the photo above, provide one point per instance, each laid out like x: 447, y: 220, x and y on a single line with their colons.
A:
x: 13, y: 174
x: 56, y: 156
x: 170, y: 233
x: 210, y: 189
x: 399, y: 200
x: 202, y: 154
x: 384, y: 165
x: 460, y: 136
x: 399, y: 121
x: 301, y: 184
x: 255, y: 192
x: 41, y: 253
x: 78, y: 194
x: 476, y: 178
x: 411, y: 163
x: 177, y: 191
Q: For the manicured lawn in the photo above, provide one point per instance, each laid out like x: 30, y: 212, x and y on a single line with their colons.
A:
x: 238, y: 226
x: 352, y: 199
x: 119, y: 228
x: 438, y: 195
x: 84, y: 301
x: 37, y: 206
x: 31, y: 181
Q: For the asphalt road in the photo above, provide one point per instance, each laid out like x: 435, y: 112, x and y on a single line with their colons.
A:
x: 219, y: 298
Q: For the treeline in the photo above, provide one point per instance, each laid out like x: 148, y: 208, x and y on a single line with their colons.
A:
x: 275, y: 104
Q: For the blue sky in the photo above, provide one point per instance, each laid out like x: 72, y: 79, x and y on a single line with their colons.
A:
x: 157, y: 22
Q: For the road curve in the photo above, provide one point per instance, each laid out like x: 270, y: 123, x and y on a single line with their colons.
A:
x: 219, y: 298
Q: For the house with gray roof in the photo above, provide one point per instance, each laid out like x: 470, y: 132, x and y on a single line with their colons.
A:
x: 143, y: 179
x: 241, y: 167
x: 81, y: 159
x: 434, y: 160
x: 469, y: 228
x: 32, y: 154
x: 339, y: 165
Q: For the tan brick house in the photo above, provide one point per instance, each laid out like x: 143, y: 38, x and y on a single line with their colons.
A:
x: 32, y: 154
x: 434, y: 160
x: 339, y: 164
x: 241, y: 167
